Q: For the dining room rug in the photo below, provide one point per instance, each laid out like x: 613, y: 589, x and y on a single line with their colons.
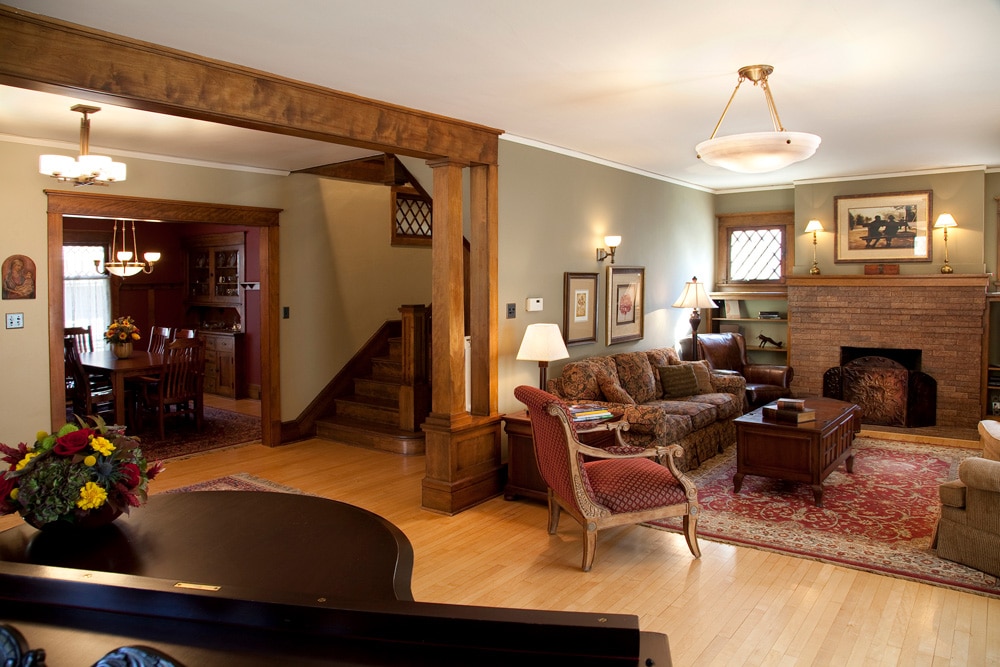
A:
x: 241, y: 481
x: 878, y: 519
x: 221, y: 428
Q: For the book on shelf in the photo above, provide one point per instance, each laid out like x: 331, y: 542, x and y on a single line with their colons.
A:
x: 798, y: 404
x: 769, y: 315
x: 777, y: 414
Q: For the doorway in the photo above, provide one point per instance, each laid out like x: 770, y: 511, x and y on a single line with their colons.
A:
x: 61, y: 203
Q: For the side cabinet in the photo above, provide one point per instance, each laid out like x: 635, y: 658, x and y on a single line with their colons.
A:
x: 224, y: 364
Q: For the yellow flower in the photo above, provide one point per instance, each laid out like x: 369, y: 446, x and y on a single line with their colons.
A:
x: 41, y: 435
x: 135, y: 336
x: 91, y: 497
x: 90, y: 461
x: 23, y: 462
x: 13, y: 493
x: 102, y: 445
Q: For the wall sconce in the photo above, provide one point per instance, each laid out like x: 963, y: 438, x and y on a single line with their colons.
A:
x: 612, y: 242
x: 814, y: 226
x: 542, y: 343
x: 944, y: 221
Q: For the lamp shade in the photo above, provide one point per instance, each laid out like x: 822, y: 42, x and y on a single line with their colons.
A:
x: 542, y: 342
x: 758, y: 152
x: 814, y: 226
x: 945, y: 220
x: 612, y: 241
x: 694, y: 296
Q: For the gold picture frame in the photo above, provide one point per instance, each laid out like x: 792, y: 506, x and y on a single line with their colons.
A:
x: 579, y: 308
x: 890, y: 227
x: 625, y: 304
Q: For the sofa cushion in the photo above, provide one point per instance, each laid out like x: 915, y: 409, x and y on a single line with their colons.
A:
x: 613, y: 391
x: 579, y: 381
x: 700, y: 415
x: 727, y: 406
x: 661, y: 356
x: 677, y: 381
x: 702, y: 374
x: 636, y: 376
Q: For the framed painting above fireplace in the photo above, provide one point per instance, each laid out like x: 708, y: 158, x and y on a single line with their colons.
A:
x: 891, y: 227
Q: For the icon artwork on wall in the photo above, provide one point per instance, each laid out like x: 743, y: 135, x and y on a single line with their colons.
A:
x: 18, y: 277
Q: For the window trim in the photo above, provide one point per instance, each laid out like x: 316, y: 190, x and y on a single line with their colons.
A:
x: 730, y: 222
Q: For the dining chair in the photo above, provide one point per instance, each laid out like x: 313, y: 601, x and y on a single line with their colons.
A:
x: 185, y: 333
x: 82, y: 336
x: 178, y: 390
x: 86, y: 400
x: 158, y: 339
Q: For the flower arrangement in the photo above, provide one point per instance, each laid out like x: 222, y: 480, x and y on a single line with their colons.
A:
x: 122, y: 330
x: 73, y: 474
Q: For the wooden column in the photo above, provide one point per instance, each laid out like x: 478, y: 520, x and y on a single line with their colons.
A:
x: 463, y: 452
x: 483, y: 287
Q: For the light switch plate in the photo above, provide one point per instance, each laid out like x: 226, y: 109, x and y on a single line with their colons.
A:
x: 15, y: 320
x: 533, y: 304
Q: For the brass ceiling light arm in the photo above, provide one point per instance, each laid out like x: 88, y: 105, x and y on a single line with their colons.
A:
x: 757, y: 74
x: 84, y: 125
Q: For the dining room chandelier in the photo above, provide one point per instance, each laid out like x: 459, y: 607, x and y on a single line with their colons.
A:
x: 126, y: 262
x: 86, y: 169
x: 757, y: 152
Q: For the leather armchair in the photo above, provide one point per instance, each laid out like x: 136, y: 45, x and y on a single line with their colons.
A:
x: 968, y: 531
x: 728, y: 352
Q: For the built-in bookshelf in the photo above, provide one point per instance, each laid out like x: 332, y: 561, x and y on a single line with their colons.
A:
x: 754, y: 314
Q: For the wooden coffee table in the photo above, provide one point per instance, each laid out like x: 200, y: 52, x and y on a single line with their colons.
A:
x: 806, y: 452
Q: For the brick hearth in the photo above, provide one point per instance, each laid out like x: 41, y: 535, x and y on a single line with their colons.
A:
x: 942, y: 315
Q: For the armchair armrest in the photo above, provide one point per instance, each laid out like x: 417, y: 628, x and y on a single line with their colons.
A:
x: 768, y: 374
x: 979, y: 473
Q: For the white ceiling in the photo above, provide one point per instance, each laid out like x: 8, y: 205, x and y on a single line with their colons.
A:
x: 890, y: 85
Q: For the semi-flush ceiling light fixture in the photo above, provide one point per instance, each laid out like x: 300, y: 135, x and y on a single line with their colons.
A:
x: 757, y: 152
x: 87, y: 169
x: 123, y: 264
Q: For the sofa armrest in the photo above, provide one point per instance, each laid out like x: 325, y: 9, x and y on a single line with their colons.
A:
x: 952, y: 493
x: 981, y: 474
x: 772, y: 374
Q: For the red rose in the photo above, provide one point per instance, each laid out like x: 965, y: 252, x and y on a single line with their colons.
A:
x: 130, y: 475
x: 72, y: 442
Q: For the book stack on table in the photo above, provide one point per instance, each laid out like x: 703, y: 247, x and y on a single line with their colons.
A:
x: 586, y: 413
x: 789, y: 411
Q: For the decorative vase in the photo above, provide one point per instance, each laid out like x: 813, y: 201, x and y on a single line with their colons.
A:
x: 122, y: 350
x: 104, y: 515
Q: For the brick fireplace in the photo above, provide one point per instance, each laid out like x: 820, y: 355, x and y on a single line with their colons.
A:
x: 942, y: 316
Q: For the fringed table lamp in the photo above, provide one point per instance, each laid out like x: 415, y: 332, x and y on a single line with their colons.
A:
x: 695, y: 297
x: 542, y: 343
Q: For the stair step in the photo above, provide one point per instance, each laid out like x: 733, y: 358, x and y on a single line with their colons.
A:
x: 377, y: 388
x: 396, y: 348
x: 370, y: 436
x: 367, y: 408
x: 387, y: 369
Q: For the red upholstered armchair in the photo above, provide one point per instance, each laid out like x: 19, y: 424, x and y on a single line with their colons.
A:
x: 728, y: 352
x: 621, y: 486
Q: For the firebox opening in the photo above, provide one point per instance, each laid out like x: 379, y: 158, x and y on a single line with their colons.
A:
x: 908, y: 358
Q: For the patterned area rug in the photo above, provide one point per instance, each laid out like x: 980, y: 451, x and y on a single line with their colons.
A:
x: 221, y: 428
x: 879, y: 519
x: 241, y: 481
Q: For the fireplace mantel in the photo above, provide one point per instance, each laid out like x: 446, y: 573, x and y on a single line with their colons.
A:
x: 942, y: 315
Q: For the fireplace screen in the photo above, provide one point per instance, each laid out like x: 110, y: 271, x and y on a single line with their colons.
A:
x: 888, y: 393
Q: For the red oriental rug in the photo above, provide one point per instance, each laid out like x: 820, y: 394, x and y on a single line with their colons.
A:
x: 879, y: 519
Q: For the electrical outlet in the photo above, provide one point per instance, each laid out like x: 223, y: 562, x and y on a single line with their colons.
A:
x: 15, y: 320
x: 511, y: 311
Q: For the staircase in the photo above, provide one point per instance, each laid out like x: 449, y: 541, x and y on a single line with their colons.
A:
x: 383, y: 394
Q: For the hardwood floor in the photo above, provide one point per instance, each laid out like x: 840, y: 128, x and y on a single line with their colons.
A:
x: 734, y: 606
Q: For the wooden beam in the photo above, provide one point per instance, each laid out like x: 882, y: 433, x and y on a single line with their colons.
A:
x: 56, y: 56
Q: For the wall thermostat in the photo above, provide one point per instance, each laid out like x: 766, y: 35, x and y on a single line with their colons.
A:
x: 533, y: 304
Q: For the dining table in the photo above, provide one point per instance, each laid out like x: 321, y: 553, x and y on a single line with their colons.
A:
x: 104, y: 361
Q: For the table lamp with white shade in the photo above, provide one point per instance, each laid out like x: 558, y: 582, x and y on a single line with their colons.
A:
x: 694, y: 297
x: 542, y: 343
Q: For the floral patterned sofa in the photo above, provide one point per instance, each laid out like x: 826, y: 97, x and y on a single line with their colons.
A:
x: 631, y: 385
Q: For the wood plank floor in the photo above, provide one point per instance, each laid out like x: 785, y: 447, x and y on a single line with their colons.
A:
x: 733, y: 606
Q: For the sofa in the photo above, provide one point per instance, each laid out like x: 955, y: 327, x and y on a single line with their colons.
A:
x: 664, y: 400
x: 968, y: 531
x: 728, y: 352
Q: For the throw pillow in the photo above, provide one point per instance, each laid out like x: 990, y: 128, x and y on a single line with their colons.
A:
x: 614, y: 392
x: 702, y: 374
x: 678, y: 381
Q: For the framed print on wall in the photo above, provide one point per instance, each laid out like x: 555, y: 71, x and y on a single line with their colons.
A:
x: 625, y: 309
x: 892, y: 227
x: 579, y: 308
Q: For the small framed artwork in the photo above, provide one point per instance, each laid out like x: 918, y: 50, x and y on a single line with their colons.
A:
x: 18, y: 277
x: 892, y: 227
x: 625, y: 304
x: 579, y: 308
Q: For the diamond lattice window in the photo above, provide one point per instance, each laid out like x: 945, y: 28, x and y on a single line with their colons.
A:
x: 412, y: 218
x: 756, y: 254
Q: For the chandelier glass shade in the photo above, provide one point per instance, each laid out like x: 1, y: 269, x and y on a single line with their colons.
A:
x: 757, y: 152
x: 86, y: 169
x: 126, y: 262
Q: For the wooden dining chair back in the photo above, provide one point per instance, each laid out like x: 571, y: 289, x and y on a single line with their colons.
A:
x: 82, y: 336
x: 600, y: 488
x: 158, y: 339
x: 85, y: 398
x: 179, y: 389
x: 185, y: 333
